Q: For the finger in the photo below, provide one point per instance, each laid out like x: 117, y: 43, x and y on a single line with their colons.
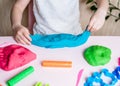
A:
x: 90, y: 25
x: 25, y: 40
x: 27, y: 31
x: 19, y: 40
x: 94, y: 28
x: 16, y: 39
x: 27, y: 36
x: 22, y: 42
x: 91, y: 28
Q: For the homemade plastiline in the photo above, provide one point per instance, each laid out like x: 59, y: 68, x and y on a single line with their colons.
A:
x: 97, y: 55
x: 64, y: 64
x: 97, y: 78
x: 79, y: 77
x: 14, y: 80
x: 14, y: 56
x: 60, y: 40
x: 116, y: 72
x: 40, y: 84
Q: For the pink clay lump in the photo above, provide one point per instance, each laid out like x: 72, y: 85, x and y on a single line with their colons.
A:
x: 14, y: 56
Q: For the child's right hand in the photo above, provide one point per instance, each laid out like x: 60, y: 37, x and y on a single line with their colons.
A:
x: 22, y: 35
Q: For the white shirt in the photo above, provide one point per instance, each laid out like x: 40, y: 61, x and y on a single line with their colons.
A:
x: 56, y: 16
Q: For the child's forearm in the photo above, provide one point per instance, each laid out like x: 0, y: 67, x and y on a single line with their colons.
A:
x: 17, y: 12
x: 16, y: 17
x: 103, y: 6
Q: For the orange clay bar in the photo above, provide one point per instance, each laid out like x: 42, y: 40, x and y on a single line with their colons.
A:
x: 48, y: 63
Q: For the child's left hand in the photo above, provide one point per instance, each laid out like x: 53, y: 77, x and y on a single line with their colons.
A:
x: 97, y: 20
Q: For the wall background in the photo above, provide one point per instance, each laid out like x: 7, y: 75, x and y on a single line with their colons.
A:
x: 5, y: 11
x: 110, y: 27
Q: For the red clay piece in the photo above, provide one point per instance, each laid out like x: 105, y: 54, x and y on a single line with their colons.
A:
x: 14, y: 56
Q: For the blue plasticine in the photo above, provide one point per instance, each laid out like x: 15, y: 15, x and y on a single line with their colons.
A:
x: 110, y: 75
x: 96, y: 77
x: 116, y: 72
x: 60, y: 40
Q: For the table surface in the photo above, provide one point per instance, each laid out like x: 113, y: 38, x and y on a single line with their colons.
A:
x: 63, y: 76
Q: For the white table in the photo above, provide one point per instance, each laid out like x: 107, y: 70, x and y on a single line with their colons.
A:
x: 63, y: 76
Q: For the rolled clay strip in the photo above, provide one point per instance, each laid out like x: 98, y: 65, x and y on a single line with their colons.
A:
x: 47, y: 63
x: 20, y: 76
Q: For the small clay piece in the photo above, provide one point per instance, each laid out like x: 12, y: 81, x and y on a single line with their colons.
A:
x: 97, y: 55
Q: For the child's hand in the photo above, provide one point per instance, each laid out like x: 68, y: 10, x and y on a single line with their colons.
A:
x: 97, y: 20
x: 22, y: 35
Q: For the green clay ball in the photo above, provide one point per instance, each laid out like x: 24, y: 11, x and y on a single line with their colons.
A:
x: 97, y: 55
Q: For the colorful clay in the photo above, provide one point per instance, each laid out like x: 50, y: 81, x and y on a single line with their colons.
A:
x: 79, y: 77
x: 14, y: 80
x: 53, y: 63
x: 97, y: 78
x: 40, y: 84
x: 97, y: 55
x: 116, y: 72
x: 60, y: 40
x: 14, y: 56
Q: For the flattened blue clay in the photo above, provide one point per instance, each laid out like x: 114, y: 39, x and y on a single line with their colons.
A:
x: 60, y: 40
